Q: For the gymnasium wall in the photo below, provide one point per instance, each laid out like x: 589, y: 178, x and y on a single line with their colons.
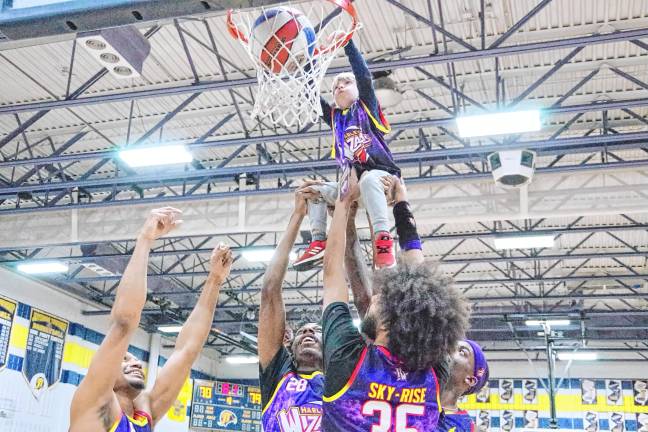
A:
x: 42, y: 405
x: 583, y: 404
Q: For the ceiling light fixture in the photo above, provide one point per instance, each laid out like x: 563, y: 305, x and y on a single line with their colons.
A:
x: 584, y: 356
x: 159, y: 155
x: 242, y: 359
x: 44, y: 267
x: 500, y: 123
x: 171, y: 329
x: 525, y: 241
x: 550, y: 323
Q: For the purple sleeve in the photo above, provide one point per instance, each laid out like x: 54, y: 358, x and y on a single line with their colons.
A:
x: 326, y: 111
x: 363, y: 77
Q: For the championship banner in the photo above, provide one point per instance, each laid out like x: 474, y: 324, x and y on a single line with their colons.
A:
x: 483, y: 421
x: 588, y: 392
x: 506, y: 390
x: 531, y: 419
x: 591, y: 421
x: 507, y: 421
x: 640, y: 392
x: 530, y: 391
x: 642, y: 422
x: 483, y: 396
x: 44, y: 353
x: 7, y: 312
x: 613, y: 392
x: 616, y: 422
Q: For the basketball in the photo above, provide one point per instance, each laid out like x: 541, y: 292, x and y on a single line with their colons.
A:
x: 281, y: 38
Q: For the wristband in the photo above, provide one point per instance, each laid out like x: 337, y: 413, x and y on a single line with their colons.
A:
x: 408, y: 237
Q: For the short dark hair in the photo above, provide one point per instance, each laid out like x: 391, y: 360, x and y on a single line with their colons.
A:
x: 424, y: 313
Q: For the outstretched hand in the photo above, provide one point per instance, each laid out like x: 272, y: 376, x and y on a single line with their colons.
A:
x: 306, y: 192
x: 160, y: 222
x: 221, y: 262
x: 395, y: 190
x: 337, y: 38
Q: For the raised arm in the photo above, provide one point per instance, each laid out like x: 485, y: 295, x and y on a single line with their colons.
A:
x: 191, y: 339
x: 363, y: 76
x: 272, y: 313
x: 335, y: 284
x: 356, y: 269
x: 326, y: 111
x: 408, y: 237
x: 96, y: 389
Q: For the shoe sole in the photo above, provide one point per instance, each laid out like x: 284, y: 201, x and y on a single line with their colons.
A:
x: 385, y: 267
x: 309, y: 263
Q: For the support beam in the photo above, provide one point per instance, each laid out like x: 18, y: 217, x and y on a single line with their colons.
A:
x: 203, y: 142
x: 515, y: 27
x: 445, y: 156
x: 374, y: 66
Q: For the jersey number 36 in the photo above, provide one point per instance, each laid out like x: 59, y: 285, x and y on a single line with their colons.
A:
x: 384, y: 411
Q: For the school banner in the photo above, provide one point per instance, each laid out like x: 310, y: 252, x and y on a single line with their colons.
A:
x: 44, y: 353
x: 583, y: 404
x: 7, y: 311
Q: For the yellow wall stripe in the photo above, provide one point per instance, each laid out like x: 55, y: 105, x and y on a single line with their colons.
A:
x: 77, y: 354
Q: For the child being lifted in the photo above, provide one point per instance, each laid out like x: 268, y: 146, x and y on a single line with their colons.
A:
x: 359, y: 127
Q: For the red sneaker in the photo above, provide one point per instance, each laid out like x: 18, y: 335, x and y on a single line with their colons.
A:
x: 312, y: 256
x: 384, y: 250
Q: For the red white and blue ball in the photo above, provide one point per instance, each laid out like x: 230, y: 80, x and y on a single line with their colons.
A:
x: 281, y: 38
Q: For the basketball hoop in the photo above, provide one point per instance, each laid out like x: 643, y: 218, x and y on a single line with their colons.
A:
x: 289, y: 77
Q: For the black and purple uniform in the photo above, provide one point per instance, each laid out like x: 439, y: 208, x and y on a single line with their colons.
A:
x: 359, y: 131
x: 140, y: 422
x: 455, y: 421
x: 292, y: 402
x: 365, y: 388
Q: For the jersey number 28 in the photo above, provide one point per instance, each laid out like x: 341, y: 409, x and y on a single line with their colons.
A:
x: 384, y: 410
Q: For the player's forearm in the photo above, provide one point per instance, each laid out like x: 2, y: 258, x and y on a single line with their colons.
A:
x: 358, y: 64
x: 326, y: 111
x: 408, y: 237
x: 130, y: 296
x: 357, y: 272
x: 194, y: 332
x: 272, y: 312
x: 276, y: 271
x: 362, y: 75
x: 335, y: 286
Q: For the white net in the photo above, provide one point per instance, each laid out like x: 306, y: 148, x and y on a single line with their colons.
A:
x: 292, y: 46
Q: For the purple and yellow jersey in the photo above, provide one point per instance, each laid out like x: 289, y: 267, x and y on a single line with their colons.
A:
x: 456, y: 421
x: 380, y: 396
x: 296, y: 404
x: 359, y: 139
x: 140, y: 422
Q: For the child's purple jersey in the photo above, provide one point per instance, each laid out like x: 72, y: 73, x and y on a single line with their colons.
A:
x: 455, y: 421
x: 140, y: 422
x: 359, y: 139
x: 296, y: 404
x: 380, y: 396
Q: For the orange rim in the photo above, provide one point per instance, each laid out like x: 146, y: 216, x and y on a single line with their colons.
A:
x: 348, y: 7
x: 233, y: 28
